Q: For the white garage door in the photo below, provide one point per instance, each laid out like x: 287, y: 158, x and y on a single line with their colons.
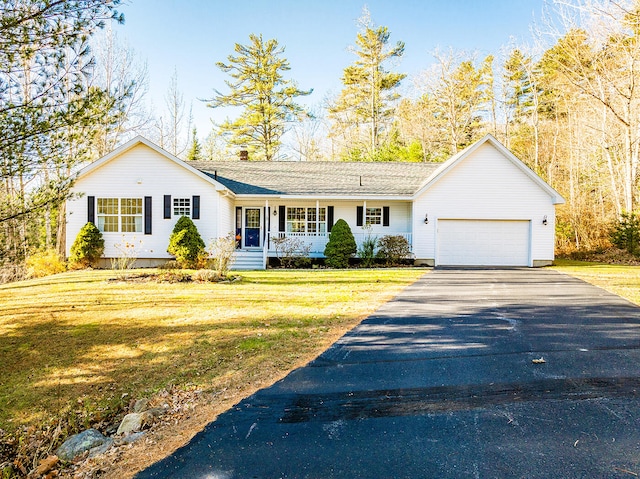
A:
x: 483, y: 243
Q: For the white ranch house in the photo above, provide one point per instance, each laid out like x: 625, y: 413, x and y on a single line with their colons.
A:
x: 482, y: 207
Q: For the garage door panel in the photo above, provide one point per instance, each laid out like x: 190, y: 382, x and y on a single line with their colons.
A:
x: 483, y: 243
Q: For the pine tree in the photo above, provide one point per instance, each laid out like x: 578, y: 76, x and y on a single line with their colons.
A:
x: 369, y: 88
x: 267, y: 99
x: 195, y: 150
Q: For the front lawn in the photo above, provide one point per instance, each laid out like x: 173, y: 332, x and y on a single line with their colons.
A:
x: 80, y: 345
x: 622, y: 280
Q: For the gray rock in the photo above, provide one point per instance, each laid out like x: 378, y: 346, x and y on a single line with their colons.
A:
x: 95, y: 451
x: 132, y: 422
x: 79, y: 443
x: 141, y: 405
x: 129, y: 438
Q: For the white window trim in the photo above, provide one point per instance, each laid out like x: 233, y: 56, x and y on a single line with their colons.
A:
x: 319, y: 225
x: 370, y: 215
x: 137, y: 217
x: 181, y: 207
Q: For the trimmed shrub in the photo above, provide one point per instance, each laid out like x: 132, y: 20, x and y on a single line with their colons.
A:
x: 626, y: 234
x: 44, y: 263
x: 393, y: 248
x: 87, y: 248
x: 185, y: 243
x: 341, y: 245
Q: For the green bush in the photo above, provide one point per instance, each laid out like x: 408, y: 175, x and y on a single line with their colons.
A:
x: 626, y: 233
x: 341, y: 245
x: 186, y: 244
x: 44, y: 263
x: 393, y: 248
x: 367, y: 251
x: 87, y: 248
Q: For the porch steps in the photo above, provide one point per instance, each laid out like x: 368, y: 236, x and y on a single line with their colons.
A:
x: 247, y: 260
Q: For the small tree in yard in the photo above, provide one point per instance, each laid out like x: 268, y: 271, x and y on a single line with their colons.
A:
x: 88, y: 247
x: 626, y: 234
x: 222, y: 250
x: 186, y: 243
x: 341, y: 245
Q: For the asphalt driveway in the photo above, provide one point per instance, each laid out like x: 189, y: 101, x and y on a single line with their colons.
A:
x: 441, y: 383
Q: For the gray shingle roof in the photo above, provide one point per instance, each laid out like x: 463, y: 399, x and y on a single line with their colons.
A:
x: 318, y: 178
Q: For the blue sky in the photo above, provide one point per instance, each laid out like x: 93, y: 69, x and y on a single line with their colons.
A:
x: 190, y: 36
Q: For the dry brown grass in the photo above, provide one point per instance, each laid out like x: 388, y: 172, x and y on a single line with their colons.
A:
x: 81, y: 345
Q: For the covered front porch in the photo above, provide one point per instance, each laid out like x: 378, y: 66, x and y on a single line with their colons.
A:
x: 308, y: 224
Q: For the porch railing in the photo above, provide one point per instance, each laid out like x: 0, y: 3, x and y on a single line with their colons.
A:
x: 317, y: 241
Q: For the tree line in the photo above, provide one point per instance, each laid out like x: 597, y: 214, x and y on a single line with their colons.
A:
x: 69, y: 93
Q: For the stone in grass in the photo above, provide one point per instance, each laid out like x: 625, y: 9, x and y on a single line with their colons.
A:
x: 129, y: 438
x: 79, y: 443
x: 135, y: 421
x: 130, y: 423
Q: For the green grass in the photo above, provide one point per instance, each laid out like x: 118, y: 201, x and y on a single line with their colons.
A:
x: 84, y: 341
x: 622, y: 280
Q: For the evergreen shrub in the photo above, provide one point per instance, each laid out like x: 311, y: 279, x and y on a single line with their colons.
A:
x: 626, y: 233
x: 87, y: 248
x: 341, y: 245
x: 185, y: 243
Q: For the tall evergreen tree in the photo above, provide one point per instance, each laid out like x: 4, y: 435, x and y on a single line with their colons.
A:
x: 258, y: 87
x: 369, y: 88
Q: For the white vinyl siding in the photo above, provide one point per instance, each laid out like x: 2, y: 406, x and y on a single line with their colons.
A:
x: 142, y: 172
x: 485, y: 185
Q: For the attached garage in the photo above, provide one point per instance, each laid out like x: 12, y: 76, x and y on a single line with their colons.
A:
x: 483, y: 242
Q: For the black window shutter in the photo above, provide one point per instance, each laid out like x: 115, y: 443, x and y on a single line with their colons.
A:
x: 195, y: 211
x: 385, y: 216
x: 359, y: 215
x: 282, y: 218
x: 167, y: 207
x: 91, y: 209
x: 329, y: 218
x: 147, y: 215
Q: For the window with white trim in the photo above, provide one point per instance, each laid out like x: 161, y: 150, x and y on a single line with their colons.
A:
x: 373, y: 216
x: 182, y: 207
x: 306, y: 220
x: 119, y: 215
